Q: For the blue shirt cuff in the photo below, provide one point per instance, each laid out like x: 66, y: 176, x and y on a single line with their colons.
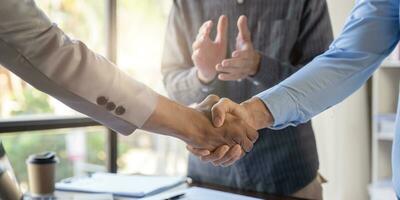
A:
x: 282, y: 107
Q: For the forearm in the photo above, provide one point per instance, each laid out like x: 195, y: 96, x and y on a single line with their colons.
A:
x: 168, y: 118
x: 188, y: 124
x: 340, y: 71
x: 184, y: 86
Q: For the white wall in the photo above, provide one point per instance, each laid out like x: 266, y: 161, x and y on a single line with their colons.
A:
x: 343, y: 135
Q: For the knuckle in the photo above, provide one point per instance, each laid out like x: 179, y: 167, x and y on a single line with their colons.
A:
x: 213, y: 157
x: 225, y: 100
x: 230, y: 156
x: 216, y: 109
x: 213, y: 97
x: 219, y: 156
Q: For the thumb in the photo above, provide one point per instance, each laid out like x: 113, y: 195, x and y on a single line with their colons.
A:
x: 222, y: 30
x: 208, y: 102
x: 244, y: 36
x: 219, y: 110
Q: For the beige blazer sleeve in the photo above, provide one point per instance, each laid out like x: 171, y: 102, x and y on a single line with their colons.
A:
x: 36, y: 50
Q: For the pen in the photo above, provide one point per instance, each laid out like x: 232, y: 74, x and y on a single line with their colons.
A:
x: 175, y: 197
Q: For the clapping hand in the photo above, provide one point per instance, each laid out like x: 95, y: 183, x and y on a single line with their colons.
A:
x: 209, y: 56
x: 207, y: 53
x: 245, y: 59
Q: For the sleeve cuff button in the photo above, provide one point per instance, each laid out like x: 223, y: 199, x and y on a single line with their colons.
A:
x: 110, y: 106
x: 102, y: 101
x: 120, y: 110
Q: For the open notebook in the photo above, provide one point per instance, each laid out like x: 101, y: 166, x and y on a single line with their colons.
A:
x: 120, y: 185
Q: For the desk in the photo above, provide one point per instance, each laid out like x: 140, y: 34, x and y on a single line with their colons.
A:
x: 67, y: 195
x: 246, y: 193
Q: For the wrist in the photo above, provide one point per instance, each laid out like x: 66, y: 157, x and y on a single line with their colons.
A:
x: 205, y: 79
x: 162, y: 122
x: 257, y: 63
x: 259, y: 113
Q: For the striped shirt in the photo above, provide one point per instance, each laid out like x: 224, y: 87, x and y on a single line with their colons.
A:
x: 289, y: 34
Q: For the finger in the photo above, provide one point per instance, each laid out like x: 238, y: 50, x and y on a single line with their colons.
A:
x: 197, y: 152
x: 244, y: 32
x: 231, y: 77
x: 222, y: 30
x: 212, y: 98
x: 252, y: 134
x: 241, y: 54
x: 219, y: 110
x: 205, y: 27
x: 216, y: 155
x: 238, y: 155
x: 231, y: 70
x: 240, y: 136
x: 204, y: 31
x: 231, y: 154
x: 235, y: 62
x: 208, y: 102
x: 245, y: 142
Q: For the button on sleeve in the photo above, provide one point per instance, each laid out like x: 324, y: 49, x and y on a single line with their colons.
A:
x: 102, y: 100
x: 110, y: 106
x: 120, y: 110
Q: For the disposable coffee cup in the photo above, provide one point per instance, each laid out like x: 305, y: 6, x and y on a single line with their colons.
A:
x: 41, y: 173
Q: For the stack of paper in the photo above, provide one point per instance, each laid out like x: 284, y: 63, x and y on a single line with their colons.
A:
x: 120, y: 185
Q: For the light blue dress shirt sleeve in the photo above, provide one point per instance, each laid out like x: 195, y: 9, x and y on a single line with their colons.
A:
x: 370, y: 34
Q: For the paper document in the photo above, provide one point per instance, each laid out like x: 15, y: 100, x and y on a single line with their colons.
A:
x: 120, y: 185
x: 81, y: 196
x: 197, y: 193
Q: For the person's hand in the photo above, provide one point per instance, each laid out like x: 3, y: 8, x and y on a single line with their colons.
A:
x: 245, y: 59
x: 207, y: 53
x: 195, y: 128
x: 235, y: 130
x: 253, y: 111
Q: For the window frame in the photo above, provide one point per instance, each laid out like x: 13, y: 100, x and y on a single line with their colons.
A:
x: 15, y: 125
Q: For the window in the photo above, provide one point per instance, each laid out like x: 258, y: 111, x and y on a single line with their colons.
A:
x: 80, y: 19
x: 140, y: 30
x: 80, y: 150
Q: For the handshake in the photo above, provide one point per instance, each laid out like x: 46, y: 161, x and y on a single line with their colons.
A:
x: 233, y: 131
x: 217, y: 130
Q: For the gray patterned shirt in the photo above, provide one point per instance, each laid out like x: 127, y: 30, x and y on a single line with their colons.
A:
x: 289, y: 34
